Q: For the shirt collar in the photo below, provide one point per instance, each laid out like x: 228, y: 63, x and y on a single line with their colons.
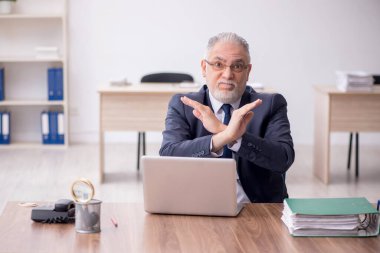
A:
x: 216, y: 105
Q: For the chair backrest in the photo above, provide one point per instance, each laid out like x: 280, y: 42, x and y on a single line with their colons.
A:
x: 376, y: 79
x: 167, y: 78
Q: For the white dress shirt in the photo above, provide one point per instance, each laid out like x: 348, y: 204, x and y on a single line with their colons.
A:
x: 219, y: 113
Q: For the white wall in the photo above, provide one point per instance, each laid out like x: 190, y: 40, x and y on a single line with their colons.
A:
x: 295, y: 44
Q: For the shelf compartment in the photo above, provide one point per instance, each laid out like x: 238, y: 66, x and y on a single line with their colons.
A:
x: 27, y: 81
x: 25, y: 124
x: 20, y: 37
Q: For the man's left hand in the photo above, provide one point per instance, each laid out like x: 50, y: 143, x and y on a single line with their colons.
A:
x: 237, y: 126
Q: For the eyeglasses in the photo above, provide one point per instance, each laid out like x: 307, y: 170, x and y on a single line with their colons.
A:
x: 220, y: 66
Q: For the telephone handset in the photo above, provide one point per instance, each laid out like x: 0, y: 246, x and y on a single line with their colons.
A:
x: 62, y: 211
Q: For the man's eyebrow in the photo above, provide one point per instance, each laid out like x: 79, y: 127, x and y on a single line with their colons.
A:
x: 218, y: 58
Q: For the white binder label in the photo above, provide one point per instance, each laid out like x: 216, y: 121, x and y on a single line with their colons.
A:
x: 45, y: 123
x: 5, y: 124
x: 61, y: 129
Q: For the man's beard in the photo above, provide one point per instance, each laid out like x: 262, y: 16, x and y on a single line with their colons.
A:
x: 227, y: 96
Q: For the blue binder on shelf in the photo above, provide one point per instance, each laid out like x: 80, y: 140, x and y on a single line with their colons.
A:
x: 5, y: 128
x: 53, y: 131
x: 51, y: 84
x: 52, y: 127
x: 55, y: 84
x: 45, y: 127
x: 59, y: 83
x: 2, y: 84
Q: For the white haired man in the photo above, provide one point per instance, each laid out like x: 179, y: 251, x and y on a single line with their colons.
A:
x: 229, y: 119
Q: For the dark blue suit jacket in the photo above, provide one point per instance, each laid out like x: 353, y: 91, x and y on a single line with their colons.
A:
x: 266, y: 151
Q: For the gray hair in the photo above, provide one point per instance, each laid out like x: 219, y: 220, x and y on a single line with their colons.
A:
x: 228, y: 37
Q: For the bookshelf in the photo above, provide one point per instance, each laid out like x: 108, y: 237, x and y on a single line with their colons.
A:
x: 33, y: 24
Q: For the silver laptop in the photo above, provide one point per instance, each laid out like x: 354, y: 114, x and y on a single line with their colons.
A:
x: 193, y: 186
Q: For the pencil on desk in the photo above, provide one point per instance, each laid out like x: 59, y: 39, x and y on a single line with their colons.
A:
x: 114, y: 222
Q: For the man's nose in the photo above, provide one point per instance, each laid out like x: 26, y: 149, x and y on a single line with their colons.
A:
x: 227, y: 73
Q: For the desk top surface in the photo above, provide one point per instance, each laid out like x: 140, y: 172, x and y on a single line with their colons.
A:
x: 160, y: 88
x: 333, y: 90
x: 258, y: 228
x: 149, y: 87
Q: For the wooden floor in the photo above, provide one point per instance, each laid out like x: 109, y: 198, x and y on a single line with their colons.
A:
x: 46, y: 175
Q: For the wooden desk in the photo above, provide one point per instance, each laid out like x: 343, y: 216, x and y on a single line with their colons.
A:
x: 134, y: 108
x: 338, y: 111
x: 258, y: 228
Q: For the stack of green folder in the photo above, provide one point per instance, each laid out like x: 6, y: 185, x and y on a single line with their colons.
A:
x: 331, y: 217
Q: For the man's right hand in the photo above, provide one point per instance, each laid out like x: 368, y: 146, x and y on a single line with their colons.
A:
x: 206, y: 115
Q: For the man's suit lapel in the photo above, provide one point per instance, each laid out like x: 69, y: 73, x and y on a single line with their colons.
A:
x: 207, y: 100
x: 246, y: 98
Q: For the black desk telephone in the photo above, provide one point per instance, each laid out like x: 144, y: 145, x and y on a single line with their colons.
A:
x: 62, y: 211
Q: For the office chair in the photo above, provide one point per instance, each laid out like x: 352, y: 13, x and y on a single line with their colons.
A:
x: 167, y: 78
x: 376, y: 82
x: 158, y: 78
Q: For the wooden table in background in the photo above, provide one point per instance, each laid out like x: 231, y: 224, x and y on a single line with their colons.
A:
x: 339, y: 111
x: 258, y: 228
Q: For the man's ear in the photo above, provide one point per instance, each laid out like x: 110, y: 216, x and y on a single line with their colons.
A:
x: 203, y: 67
x: 249, y: 71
